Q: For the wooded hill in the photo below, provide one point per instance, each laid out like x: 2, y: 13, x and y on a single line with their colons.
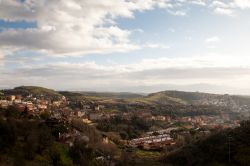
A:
x: 230, y: 147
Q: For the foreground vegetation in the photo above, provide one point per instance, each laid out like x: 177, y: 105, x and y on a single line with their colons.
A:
x: 230, y: 147
x: 30, y: 141
x: 27, y: 141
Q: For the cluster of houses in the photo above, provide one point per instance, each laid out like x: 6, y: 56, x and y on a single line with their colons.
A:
x: 95, y: 111
x: 91, y: 112
x: 154, y: 140
x: 57, y: 108
x: 200, y: 126
x: 209, y: 121
x: 31, y: 104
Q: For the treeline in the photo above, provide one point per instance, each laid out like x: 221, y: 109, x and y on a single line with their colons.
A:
x: 227, y: 148
x: 30, y: 141
x: 127, y: 129
x: 188, y: 110
x: 26, y: 141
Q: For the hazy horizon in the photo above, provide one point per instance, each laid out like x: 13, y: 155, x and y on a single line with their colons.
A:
x: 127, y: 45
x: 137, y: 90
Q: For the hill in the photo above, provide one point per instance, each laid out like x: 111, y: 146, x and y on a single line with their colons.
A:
x: 34, y: 90
x: 235, y: 103
x: 110, y: 95
x: 73, y: 95
x: 230, y: 147
x: 207, y: 98
x: 157, y: 99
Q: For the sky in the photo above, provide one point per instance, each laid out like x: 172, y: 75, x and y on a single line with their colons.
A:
x: 126, y: 45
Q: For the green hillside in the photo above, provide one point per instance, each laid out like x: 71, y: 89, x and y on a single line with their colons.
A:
x: 35, y: 90
x: 177, y: 97
x: 111, y: 95
x: 233, y: 102
x: 189, y: 97
x: 207, y: 98
x: 158, y: 98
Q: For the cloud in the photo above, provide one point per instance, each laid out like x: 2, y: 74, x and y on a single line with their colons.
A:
x: 178, y: 71
x: 243, y: 4
x: 72, y: 27
x: 80, y: 27
x: 213, y: 39
x: 177, y: 13
x: 229, y: 8
x: 198, y: 2
x: 223, y: 11
x: 3, y: 53
x: 221, y: 4
x: 223, y: 8
x: 156, y: 45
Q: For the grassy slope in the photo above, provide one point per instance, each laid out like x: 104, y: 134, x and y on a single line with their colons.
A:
x: 81, y: 97
x: 158, y: 98
x: 111, y: 95
x: 196, y: 98
x: 36, y: 90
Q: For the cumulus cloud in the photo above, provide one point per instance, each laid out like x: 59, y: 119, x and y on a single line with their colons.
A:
x: 72, y: 27
x: 79, y: 27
